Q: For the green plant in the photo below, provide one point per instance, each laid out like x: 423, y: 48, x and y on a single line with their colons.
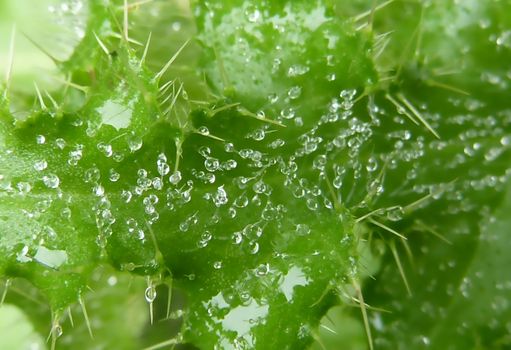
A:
x: 291, y: 159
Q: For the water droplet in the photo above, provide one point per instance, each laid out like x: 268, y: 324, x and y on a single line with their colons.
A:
x: 372, y: 164
x: 40, y: 139
x: 92, y: 175
x: 237, y: 238
x: 287, y: 113
x: 51, y: 181
x: 150, y: 294
x: 262, y: 270
x: 294, y: 92
x: 175, y: 178
x: 203, y: 130
x: 220, y: 197
x: 395, y: 213
x: 126, y: 196
x: 217, y: 265
x: 253, y: 14
x: 61, y: 143
x: 211, y: 164
x: 104, y: 148
x: 114, y: 175
x: 163, y: 168
x: 297, y: 70
x: 40, y: 165
x: 98, y: 190
x: 302, y: 230
x: 24, y: 187
x: 229, y: 147
x: 57, y: 330
x: 134, y: 143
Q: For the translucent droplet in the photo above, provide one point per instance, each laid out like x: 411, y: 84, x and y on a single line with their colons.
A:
x: 297, y: 70
x: 203, y: 130
x: 217, y: 265
x: 395, y: 213
x: 114, y: 175
x: 253, y: 14
x: 126, y: 196
x: 237, y: 237
x: 220, y: 197
x: 372, y: 165
x: 40, y: 139
x: 40, y: 165
x: 294, y: 92
x: 150, y: 294
x: 24, y: 187
x: 229, y: 147
x: 262, y: 270
x: 302, y: 230
x: 175, y: 178
x: 92, y: 175
x: 60, y: 143
x: 51, y: 181
x: 106, y: 149
x: 211, y: 164
x: 287, y: 113
x: 163, y: 168
x: 134, y: 143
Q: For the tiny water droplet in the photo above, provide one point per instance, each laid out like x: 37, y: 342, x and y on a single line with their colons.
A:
x: 51, y: 181
x: 150, y: 294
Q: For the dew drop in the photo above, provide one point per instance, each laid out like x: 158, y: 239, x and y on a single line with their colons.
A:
x: 51, y: 181
x: 40, y: 165
x: 294, y: 92
x: 134, y: 143
x: 175, y: 178
x: 150, y: 294
x: 262, y: 270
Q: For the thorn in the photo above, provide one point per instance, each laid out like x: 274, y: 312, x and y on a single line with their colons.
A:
x: 364, y: 314
x: 423, y: 226
x: 53, y: 102
x: 247, y: 113
x: 410, y: 207
x: 172, y: 59
x: 163, y: 89
x: 363, y: 217
x: 55, y: 61
x: 372, y: 10
x: 40, y: 97
x: 70, y: 314
x: 130, y: 40
x: 55, y: 331
x: 8, y: 73
x: 392, y: 246
x: 169, y: 298
x: 179, y: 153
x: 70, y: 84
x: 85, y: 316
x: 146, y: 48
x: 224, y: 108
x: 125, y: 21
x: 401, y: 109
x: 437, y: 84
x: 386, y: 228
x: 176, y: 95
x: 163, y: 344
x: 329, y: 329
x: 417, y: 114
x: 210, y: 136
x: 137, y: 4
x: 6, y: 289
x: 103, y: 47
